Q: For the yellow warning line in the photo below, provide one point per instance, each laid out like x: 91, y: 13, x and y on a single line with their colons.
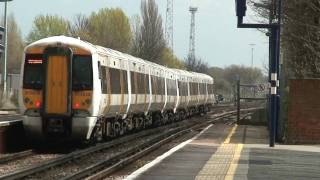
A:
x: 233, y: 130
x: 234, y: 163
x: 236, y: 156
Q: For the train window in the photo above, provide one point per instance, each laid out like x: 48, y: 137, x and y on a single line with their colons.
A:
x: 196, y: 88
x: 99, y: 69
x: 154, y: 85
x: 33, y: 72
x: 82, y: 73
x: 141, y: 83
x: 133, y: 82
x: 163, y: 88
x: 104, y: 79
x: 159, y: 81
x: 146, y: 81
x: 192, y: 89
x: 171, y: 87
x: 115, y: 81
x: 124, y: 81
x: 181, y: 88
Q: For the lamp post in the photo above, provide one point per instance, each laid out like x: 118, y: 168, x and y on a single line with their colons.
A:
x: 252, y: 50
x: 4, y: 72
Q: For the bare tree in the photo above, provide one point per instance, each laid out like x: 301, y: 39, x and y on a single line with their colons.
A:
x: 149, y: 41
x: 80, y: 27
x: 300, y: 45
x: 196, y: 65
x: 135, y: 23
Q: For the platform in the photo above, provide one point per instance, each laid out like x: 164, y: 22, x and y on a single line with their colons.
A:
x: 12, y: 137
x: 233, y: 152
x: 7, y: 120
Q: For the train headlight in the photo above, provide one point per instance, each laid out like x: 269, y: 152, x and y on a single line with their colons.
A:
x: 81, y: 113
x: 32, y: 112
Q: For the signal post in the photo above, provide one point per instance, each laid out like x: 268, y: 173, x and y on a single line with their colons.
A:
x: 274, y: 43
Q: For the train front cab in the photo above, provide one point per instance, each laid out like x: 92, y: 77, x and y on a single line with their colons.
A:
x: 57, y: 90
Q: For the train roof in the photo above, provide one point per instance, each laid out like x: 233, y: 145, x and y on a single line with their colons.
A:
x: 62, y: 40
x: 74, y: 42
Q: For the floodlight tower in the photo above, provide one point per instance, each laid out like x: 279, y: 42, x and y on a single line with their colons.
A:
x: 193, y: 11
x: 169, y: 24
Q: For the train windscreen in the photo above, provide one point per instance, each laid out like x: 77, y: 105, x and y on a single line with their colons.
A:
x: 33, y: 71
x: 82, y: 78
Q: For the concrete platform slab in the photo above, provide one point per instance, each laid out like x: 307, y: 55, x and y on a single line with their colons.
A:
x: 235, y: 152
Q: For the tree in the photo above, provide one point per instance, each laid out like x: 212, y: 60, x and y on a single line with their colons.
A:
x: 135, y: 23
x: 225, y: 77
x: 15, y: 46
x: 170, y: 60
x: 222, y: 86
x: 149, y: 41
x: 80, y: 27
x: 110, y: 28
x: 46, y: 26
x: 196, y: 65
x: 300, y: 45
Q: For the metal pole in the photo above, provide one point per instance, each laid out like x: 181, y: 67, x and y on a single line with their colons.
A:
x: 252, y: 57
x: 252, y: 51
x: 273, y: 90
x: 238, y: 99
x: 4, y: 74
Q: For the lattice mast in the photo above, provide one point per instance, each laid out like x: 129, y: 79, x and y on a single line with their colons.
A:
x: 193, y: 11
x: 169, y: 24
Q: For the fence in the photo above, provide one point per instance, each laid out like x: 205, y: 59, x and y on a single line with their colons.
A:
x: 250, y: 93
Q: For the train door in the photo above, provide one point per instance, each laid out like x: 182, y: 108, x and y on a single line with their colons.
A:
x: 57, y: 96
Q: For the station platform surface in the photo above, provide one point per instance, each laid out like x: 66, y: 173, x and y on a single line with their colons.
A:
x: 6, y: 120
x: 233, y: 152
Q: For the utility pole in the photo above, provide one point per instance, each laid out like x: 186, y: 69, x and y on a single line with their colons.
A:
x: 169, y: 24
x: 5, y: 41
x: 252, y: 50
x: 193, y: 11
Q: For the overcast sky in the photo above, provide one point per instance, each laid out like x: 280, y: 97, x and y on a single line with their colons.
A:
x: 218, y: 41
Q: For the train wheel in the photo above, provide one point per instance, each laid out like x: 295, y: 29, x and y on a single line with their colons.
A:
x: 156, y: 119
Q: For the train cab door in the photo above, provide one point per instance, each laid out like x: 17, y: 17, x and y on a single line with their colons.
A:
x: 57, y: 89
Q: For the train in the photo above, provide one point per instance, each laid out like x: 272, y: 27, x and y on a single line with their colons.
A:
x: 72, y: 89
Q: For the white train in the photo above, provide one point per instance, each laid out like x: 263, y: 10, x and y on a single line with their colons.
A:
x: 72, y: 89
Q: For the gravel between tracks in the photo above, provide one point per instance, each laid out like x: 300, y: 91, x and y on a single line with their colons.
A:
x: 25, y: 162
x: 77, y: 165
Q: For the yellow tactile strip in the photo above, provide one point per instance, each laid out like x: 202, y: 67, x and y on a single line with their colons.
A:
x: 223, y: 163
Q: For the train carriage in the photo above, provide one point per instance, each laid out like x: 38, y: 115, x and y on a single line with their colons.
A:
x: 72, y: 89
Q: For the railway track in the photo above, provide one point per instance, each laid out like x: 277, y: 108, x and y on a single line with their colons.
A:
x: 33, y: 169
x: 105, y: 167
x: 154, y: 138
x: 102, y: 167
x: 16, y: 156
x: 111, y: 165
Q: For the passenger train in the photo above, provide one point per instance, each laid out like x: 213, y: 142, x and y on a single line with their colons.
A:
x: 72, y: 89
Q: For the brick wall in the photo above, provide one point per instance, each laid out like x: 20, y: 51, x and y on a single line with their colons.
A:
x: 304, y: 112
